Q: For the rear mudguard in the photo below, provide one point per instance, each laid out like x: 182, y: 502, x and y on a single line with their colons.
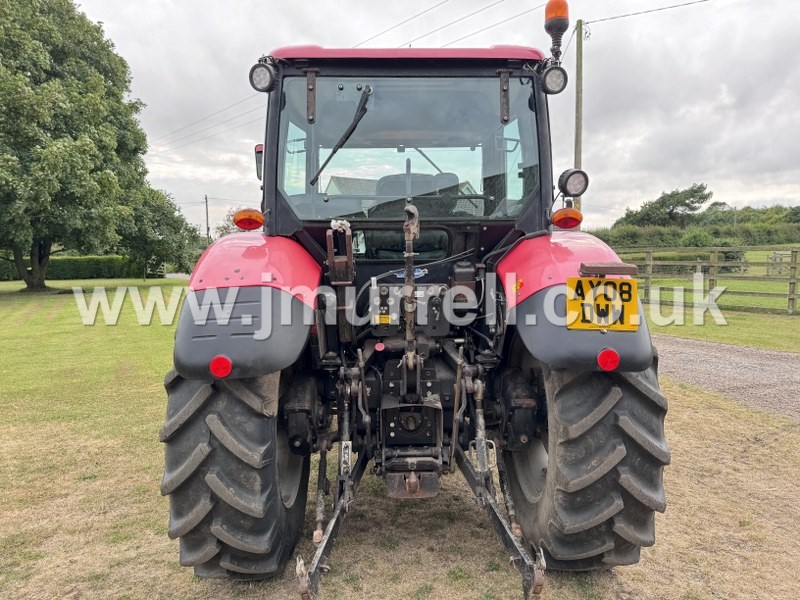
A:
x: 534, y: 275
x: 251, y: 298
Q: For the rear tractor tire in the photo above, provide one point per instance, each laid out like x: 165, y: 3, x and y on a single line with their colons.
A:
x: 586, y: 490
x: 237, y: 493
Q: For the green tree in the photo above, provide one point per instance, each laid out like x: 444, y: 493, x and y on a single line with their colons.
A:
x: 716, y: 213
x: 227, y: 227
x: 677, y: 207
x: 154, y: 232
x: 71, y: 148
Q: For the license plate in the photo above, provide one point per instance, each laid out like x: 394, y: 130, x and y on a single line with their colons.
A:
x: 597, y: 303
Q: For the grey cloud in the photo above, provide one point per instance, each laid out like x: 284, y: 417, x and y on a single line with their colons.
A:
x: 705, y: 93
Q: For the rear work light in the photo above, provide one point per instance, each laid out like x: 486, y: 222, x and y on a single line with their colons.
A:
x: 554, y: 80
x: 220, y: 366
x: 608, y: 359
x: 567, y: 218
x: 248, y: 219
x: 263, y: 77
x: 573, y: 183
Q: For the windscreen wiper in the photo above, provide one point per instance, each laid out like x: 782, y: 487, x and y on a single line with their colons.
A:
x: 429, y: 159
x: 360, y: 112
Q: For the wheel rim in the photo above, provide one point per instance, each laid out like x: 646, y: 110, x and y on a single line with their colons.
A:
x: 530, y: 467
x: 290, y: 469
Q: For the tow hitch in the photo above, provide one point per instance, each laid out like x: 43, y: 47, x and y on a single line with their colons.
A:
x: 482, y: 485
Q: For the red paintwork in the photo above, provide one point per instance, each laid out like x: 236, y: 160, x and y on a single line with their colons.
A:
x: 548, y: 260
x: 253, y: 259
x: 495, y: 52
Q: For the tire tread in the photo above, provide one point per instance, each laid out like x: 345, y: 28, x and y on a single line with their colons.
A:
x: 225, y: 503
x: 604, y: 481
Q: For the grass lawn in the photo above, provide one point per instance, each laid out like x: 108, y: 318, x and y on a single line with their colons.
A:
x: 13, y: 287
x: 82, y: 517
x: 771, y: 332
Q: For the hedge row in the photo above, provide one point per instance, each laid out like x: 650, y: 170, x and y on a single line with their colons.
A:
x: 7, y: 271
x: 749, y: 234
x: 80, y: 267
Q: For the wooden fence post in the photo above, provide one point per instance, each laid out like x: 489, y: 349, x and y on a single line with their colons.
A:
x: 648, y: 275
x: 713, y: 270
x: 793, y: 281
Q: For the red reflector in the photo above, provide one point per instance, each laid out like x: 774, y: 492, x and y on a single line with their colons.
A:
x: 220, y: 366
x: 380, y: 347
x: 608, y: 359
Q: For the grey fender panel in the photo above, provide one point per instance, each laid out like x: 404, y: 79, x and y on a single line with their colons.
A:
x: 563, y: 348
x: 253, y: 349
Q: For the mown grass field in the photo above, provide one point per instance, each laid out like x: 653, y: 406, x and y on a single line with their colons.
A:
x: 763, y: 256
x: 767, y: 331
x: 82, y: 517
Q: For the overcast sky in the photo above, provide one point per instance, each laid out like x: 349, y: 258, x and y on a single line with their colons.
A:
x: 706, y: 93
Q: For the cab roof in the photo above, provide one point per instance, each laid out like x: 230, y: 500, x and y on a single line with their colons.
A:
x: 495, y: 52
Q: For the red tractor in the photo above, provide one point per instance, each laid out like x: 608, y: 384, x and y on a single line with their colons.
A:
x: 402, y: 297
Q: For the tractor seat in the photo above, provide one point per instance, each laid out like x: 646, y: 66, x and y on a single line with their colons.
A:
x: 446, y: 183
x: 394, y: 186
x: 434, y: 195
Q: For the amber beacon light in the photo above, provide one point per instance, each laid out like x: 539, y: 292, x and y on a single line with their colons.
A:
x: 556, y: 9
x: 248, y: 219
x: 556, y: 23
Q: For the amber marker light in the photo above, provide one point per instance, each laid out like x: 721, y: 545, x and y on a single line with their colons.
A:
x: 567, y: 218
x: 248, y: 219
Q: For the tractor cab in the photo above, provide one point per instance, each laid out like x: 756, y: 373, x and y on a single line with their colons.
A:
x: 354, y: 143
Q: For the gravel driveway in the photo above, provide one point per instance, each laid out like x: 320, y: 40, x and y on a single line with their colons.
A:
x: 762, y: 379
